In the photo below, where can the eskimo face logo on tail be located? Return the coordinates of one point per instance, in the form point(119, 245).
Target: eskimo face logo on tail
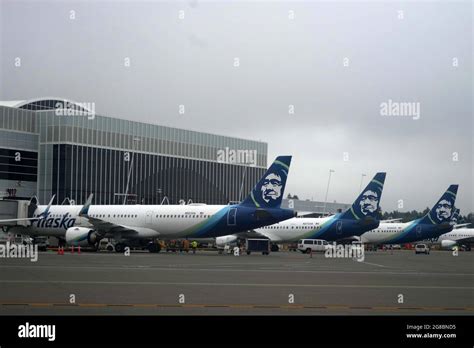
point(271, 187)
point(369, 202)
point(269, 190)
point(444, 210)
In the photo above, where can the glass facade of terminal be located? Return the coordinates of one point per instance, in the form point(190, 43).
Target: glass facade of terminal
point(18, 165)
point(80, 170)
point(79, 155)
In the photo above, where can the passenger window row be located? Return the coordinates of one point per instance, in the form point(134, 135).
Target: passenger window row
point(288, 227)
point(183, 216)
point(132, 216)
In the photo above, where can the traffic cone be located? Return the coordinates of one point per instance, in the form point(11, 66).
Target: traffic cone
point(78, 249)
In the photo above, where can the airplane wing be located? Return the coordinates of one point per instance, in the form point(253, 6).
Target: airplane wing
point(461, 225)
point(391, 220)
point(18, 220)
point(305, 213)
point(103, 227)
point(251, 234)
point(258, 234)
point(349, 239)
point(465, 239)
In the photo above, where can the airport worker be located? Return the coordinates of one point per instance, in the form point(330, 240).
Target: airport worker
point(186, 245)
point(194, 245)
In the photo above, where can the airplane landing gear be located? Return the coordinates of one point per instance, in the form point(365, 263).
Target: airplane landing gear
point(154, 247)
point(61, 243)
point(120, 247)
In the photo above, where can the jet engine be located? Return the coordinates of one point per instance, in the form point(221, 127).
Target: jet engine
point(447, 244)
point(222, 241)
point(81, 236)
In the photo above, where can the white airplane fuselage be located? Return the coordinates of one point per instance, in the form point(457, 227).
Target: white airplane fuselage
point(154, 221)
point(407, 232)
point(454, 237)
point(384, 233)
point(163, 221)
point(293, 229)
point(331, 228)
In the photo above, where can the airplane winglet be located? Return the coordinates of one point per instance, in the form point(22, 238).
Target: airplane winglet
point(44, 214)
point(85, 208)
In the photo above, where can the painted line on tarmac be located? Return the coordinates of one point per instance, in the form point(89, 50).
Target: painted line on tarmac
point(240, 306)
point(236, 284)
point(373, 264)
point(273, 270)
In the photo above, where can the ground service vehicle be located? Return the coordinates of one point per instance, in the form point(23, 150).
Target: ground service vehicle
point(257, 245)
point(312, 245)
point(422, 249)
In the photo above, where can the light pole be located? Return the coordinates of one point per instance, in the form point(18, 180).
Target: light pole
point(135, 140)
point(159, 192)
point(242, 184)
point(327, 190)
point(361, 180)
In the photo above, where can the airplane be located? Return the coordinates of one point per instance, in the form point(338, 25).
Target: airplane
point(435, 223)
point(454, 238)
point(359, 218)
point(85, 225)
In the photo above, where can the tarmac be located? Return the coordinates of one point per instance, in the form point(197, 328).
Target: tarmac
point(282, 283)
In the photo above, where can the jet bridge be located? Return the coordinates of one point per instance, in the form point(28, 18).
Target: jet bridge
point(14, 209)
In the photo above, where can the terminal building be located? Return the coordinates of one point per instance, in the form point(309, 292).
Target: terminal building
point(52, 146)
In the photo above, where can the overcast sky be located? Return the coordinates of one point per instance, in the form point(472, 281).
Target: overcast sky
point(289, 53)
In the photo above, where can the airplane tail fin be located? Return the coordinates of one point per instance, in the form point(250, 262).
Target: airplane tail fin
point(367, 204)
point(444, 209)
point(268, 193)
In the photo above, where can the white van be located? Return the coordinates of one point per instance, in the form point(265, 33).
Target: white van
point(422, 249)
point(308, 245)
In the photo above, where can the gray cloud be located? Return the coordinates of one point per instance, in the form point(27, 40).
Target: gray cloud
point(282, 62)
